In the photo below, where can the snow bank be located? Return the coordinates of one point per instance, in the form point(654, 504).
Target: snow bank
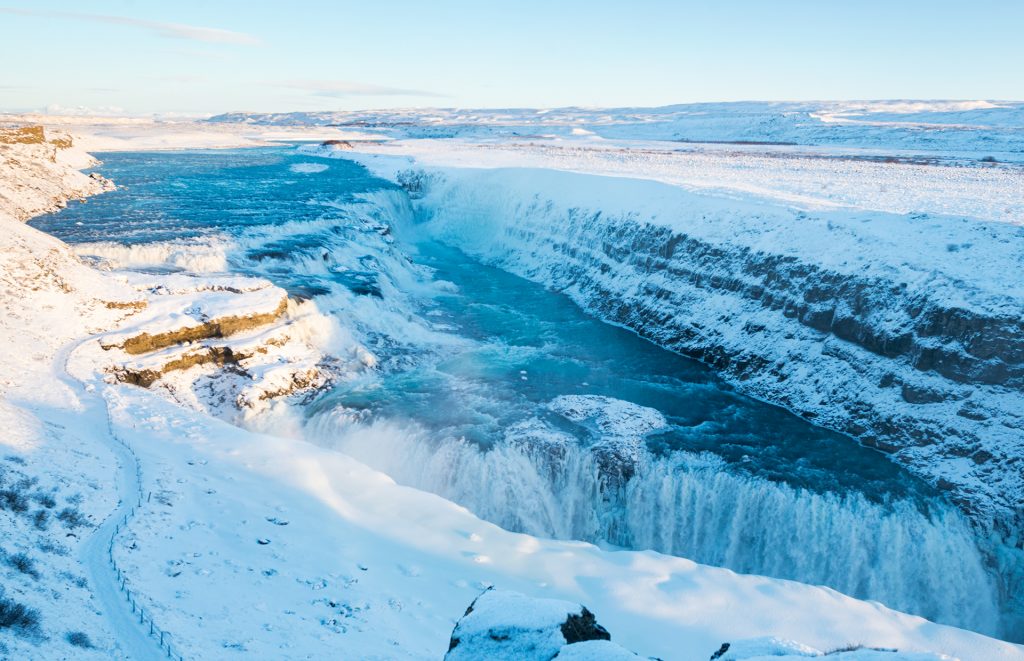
point(775, 649)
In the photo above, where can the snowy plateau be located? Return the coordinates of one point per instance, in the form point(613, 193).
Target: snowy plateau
point(166, 489)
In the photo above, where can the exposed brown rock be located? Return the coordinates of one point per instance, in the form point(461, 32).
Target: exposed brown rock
point(62, 142)
point(22, 135)
point(146, 377)
point(215, 328)
point(125, 305)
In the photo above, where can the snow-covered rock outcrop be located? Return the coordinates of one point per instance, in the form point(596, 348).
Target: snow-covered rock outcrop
point(509, 625)
point(40, 172)
point(226, 345)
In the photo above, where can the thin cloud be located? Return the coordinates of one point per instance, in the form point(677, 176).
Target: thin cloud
point(167, 30)
point(344, 88)
point(184, 79)
point(206, 54)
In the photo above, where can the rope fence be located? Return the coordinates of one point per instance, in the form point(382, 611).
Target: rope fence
point(158, 634)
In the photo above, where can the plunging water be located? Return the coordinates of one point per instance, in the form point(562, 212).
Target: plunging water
point(505, 397)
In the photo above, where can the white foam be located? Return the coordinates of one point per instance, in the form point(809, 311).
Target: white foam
point(308, 168)
point(195, 256)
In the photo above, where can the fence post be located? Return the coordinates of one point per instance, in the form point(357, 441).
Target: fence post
point(121, 576)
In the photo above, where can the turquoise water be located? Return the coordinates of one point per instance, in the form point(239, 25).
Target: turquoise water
point(471, 357)
point(530, 345)
point(514, 325)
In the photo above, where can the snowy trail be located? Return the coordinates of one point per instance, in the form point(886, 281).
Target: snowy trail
point(132, 638)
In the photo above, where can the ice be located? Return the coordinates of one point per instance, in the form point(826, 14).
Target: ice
point(308, 168)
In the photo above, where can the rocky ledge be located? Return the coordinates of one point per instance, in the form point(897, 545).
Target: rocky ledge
point(225, 345)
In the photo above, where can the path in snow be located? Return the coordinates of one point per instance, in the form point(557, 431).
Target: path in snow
point(132, 638)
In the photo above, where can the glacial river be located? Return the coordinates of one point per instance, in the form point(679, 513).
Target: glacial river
point(505, 397)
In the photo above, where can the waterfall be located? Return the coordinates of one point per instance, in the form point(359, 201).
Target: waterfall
point(688, 505)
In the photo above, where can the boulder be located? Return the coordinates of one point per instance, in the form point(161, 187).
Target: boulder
point(508, 625)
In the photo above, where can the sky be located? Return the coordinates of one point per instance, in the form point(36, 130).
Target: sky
point(204, 57)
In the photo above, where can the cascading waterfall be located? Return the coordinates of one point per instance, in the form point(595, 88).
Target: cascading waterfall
point(687, 505)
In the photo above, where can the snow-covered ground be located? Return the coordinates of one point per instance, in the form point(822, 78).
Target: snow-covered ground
point(972, 129)
point(808, 180)
point(256, 545)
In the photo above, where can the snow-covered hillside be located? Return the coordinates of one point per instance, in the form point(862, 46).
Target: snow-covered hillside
point(980, 128)
point(237, 543)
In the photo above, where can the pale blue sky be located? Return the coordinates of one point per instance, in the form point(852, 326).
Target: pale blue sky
point(205, 57)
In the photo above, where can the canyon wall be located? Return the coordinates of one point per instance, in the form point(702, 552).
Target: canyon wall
point(897, 330)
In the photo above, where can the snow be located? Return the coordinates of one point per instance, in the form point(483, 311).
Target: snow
point(595, 650)
point(775, 649)
point(50, 299)
point(40, 177)
point(613, 417)
point(263, 545)
point(935, 128)
point(766, 647)
point(510, 625)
